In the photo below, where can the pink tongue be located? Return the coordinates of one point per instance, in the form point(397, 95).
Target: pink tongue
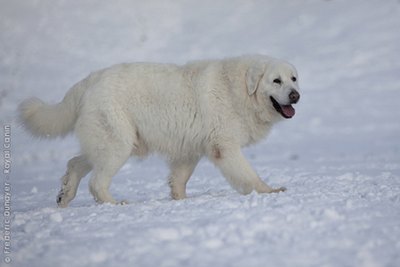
point(288, 110)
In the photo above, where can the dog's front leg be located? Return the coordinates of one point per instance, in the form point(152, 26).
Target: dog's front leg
point(179, 176)
point(238, 171)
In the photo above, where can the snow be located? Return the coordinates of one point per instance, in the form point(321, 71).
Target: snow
point(339, 156)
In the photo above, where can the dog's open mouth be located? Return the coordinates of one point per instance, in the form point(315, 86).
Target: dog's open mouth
point(287, 111)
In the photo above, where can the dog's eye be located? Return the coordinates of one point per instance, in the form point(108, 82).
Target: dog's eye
point(294, 79)
point(277, 81)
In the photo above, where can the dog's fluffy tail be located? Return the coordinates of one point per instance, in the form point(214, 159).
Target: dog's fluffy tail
point(50, 121)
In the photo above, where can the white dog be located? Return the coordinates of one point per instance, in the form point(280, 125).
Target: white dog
point(205, 108)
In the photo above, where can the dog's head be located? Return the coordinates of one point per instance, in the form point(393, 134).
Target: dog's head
point(276, 83)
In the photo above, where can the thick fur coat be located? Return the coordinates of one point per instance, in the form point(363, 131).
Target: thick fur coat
point(204, 108)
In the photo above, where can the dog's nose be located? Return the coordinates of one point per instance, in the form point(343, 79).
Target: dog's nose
point(294, 96)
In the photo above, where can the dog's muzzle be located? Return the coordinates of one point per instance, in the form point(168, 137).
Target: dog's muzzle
point(294, 96)
point(287, 111)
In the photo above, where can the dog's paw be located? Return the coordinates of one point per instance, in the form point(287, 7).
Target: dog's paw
point(123, 202)
point(61, 200)
point(263, 188)
point(280, 189)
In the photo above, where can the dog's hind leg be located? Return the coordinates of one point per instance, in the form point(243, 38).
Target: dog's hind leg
point(107, 137)
point(103, 171)
point(77, 168)
point(108, 150)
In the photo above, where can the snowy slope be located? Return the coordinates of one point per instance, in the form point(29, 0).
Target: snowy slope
point(339, 156)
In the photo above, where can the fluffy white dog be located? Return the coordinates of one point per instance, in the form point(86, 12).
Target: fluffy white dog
point(204, 108)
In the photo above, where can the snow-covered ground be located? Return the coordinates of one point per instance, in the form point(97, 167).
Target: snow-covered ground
point(339, 156)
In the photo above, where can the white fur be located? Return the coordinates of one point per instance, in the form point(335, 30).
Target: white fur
point(204, 108)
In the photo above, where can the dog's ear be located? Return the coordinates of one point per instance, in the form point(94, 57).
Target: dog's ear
point(254, 75)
